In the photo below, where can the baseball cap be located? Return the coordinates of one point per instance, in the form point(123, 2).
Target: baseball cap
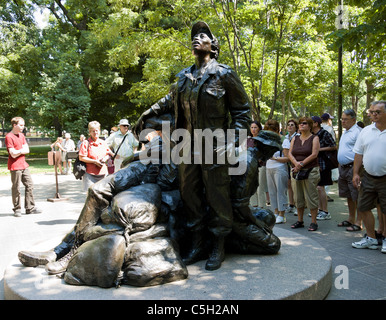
point(316, 119)
point(326, 116)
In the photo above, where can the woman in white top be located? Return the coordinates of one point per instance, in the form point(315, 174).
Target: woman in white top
point(292, 128)
point(68, 145)
point(277, 175)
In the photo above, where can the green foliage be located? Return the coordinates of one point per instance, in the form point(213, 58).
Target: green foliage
point(110, 59)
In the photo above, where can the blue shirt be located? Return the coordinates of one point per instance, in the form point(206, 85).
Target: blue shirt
point(347, 141)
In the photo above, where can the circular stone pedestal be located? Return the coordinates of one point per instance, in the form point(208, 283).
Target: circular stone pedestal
point(301, 270)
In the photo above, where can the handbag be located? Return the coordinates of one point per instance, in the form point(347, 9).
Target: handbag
point(331, 158)
point(302, 174)
point(51, 158)
point(79, 168)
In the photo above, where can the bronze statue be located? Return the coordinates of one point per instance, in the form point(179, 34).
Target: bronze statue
point(209, 96)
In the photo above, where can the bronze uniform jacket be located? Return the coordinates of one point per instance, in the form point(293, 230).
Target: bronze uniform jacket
point(217, 100)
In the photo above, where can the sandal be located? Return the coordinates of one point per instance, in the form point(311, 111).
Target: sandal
point(297, 224)
point(354, 227)
point(345, 223)
point(313, 227)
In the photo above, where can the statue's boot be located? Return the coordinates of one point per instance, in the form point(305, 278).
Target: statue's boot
point(34, 259)
point(60, 265)
point(217, 256)
point(197, 251)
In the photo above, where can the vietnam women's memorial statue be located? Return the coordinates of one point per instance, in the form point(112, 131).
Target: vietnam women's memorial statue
point(144, 224)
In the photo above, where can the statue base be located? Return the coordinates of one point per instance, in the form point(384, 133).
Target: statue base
point(301, 270)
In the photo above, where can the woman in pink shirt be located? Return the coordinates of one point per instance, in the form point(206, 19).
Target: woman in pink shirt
point(95, 153)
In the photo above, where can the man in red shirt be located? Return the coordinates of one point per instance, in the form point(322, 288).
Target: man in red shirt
point(17, 148)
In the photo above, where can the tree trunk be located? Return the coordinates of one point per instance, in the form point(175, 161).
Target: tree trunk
point(276, 72)
point(369, 99)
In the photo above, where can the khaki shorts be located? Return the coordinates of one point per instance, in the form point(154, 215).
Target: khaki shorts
point(305, 191)
point(346, 188)
point(372, 190)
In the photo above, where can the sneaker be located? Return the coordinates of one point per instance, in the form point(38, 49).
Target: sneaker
point(322, 215)
point(17, 213)
point(290, 209)
point(366, 243)
point(34, 211)
point(383, 250)
point(280, 219)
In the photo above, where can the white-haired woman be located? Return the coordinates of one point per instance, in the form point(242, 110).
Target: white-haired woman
point(94, 152)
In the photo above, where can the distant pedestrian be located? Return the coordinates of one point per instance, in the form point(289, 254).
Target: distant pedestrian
point(346, 162)
point(277, 175)
point(81, 139)
point(303, 154)
point(95, 153)
point(254, 129)
point(292, 128)
point(327, 143)
point(327, 124)
point(125, 141)
point(68, 145)
point(17, 148)
point(370, 151)
point(59, 150)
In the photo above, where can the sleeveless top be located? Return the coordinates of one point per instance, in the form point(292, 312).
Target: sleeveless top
point(300, 152)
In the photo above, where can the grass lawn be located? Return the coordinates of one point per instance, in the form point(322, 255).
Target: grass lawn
point(37, 160)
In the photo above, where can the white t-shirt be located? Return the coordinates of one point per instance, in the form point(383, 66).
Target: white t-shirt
point(371, 143)
point(330, 129)
point(347, 143)
point(272, 164)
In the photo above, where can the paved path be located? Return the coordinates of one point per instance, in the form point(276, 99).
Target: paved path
point(365, 268)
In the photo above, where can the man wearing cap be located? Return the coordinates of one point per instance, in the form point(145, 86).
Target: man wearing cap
point(125, 141)
point(327, 124)
point(327, 143)
point(209, 96)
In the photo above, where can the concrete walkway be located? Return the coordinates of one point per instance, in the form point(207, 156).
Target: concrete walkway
point(360, 273)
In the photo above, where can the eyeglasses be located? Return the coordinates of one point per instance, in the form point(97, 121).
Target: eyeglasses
point(290, 125)
point(345, 119)
point(375, 112)
point(304, 123)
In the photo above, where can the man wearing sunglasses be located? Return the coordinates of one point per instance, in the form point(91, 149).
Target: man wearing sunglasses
point(370, 152)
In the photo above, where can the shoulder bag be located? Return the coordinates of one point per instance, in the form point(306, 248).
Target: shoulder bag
point(302, 174)
point(79, 168)
point(111, 167)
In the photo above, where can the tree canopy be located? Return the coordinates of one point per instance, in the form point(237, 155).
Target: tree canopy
point(110, 59)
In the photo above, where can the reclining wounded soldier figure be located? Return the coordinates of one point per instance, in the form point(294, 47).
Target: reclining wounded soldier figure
point(99, 198)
